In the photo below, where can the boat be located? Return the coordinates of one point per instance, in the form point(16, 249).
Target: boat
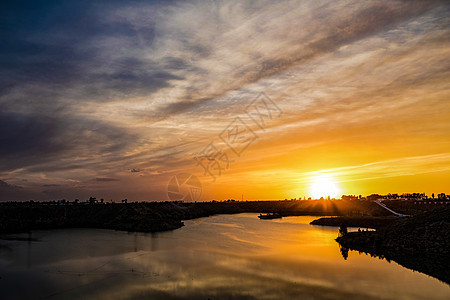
point(270, 216)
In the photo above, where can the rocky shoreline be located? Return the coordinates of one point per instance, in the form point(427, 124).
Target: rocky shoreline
point(421, 242)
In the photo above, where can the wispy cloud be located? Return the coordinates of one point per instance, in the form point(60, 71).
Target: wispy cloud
point(405, 166)
point(89, 89)
point(105, 179)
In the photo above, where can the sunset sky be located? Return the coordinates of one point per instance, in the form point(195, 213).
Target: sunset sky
point(113, 98)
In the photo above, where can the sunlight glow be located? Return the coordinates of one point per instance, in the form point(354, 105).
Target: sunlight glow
point(323, 185)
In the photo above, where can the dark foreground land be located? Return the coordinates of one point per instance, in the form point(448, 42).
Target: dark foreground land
point(420, 242)
point(160, 216)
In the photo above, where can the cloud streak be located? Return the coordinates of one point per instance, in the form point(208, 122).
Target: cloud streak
point(406, 166)
point(94, 90)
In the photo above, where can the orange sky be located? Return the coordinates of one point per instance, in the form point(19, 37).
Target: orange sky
point(359, 93)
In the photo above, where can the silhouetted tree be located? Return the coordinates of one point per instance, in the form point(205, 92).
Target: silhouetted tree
point(343, 230)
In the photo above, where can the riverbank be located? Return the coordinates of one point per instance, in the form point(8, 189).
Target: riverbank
point(356, 221)
point(160, 216)
point(421, 242)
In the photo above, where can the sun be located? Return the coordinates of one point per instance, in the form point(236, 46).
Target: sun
point(323, 185)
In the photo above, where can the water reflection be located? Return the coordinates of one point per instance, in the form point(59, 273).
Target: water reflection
point(344, 252)
point(226, 256)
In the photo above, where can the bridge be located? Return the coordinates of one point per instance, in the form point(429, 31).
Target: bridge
point(380, 203)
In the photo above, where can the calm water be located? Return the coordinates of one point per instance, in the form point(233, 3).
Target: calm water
point(220, 257)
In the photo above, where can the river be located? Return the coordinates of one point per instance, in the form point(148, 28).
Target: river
point(219, 257)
